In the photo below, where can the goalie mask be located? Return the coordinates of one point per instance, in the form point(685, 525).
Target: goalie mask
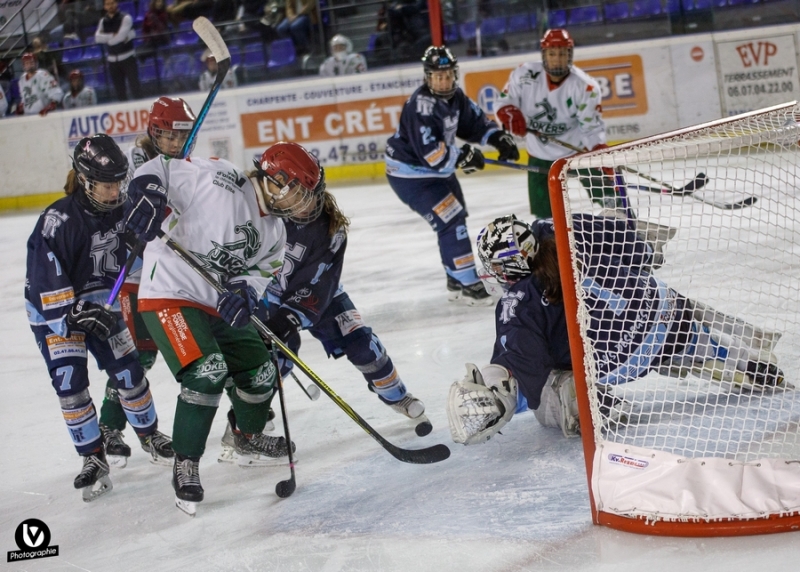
point(505, 247)
point(441, 71)
point(290, 183)
point(102, 170)
point(557, 48)
point(171, 121)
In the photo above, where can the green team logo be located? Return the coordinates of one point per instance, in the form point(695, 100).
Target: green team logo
point(230, 259)
point(213, 369)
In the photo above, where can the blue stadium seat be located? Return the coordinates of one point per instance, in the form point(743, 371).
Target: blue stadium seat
point(644, 8)
point(518, 23)
point(148, 71)
point(617, 11)
point(467, 30)
point(185, 39)
point(128, 8)
point(494, 26)
point(72, 55)
point(179, 66)
point(373, 40)
point(557, 18)
point(450, 34)
point(673, 6)
point(96, 79)
point(584, 15)
point(253, 55)
point(534, 21)
point(93, 52)
point(281, 53)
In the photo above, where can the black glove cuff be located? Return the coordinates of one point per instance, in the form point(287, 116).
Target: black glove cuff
point(284, 324)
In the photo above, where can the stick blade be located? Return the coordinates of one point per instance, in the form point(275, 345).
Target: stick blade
point(211, 38)
point(284, 489)
point(698, 183)
point(426, 456)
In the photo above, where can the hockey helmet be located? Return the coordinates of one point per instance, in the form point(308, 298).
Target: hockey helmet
point(29, 62)
point(505, 247)
point(557, 50)
point(171, 121)
point(338, 42)
point(102, 169)
point(440, 59)
point(290, 183)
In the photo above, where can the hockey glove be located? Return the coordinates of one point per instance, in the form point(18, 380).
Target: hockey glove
point(512, 120)
point(50, 107)
point(504, 143)
point(92, 319)
point(146, 207)
point(286, 325)
point(470, 159)
point(237, 303)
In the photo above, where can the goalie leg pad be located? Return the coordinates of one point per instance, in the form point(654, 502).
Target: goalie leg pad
point(476, 412)
point(558, 406)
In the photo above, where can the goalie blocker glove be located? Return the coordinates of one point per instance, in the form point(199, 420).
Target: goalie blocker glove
point(481, 404)
point(237, 303)
point(146, 207)
point(470, 159)
point(505, 144)
point(92, 319)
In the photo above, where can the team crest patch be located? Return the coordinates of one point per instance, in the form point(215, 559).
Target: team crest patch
point(213, 368)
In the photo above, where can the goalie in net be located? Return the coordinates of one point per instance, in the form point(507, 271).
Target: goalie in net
point(638, 324)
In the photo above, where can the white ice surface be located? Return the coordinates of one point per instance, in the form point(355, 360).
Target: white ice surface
point(518, 502)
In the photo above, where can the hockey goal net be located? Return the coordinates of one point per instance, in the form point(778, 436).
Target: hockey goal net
point(701, 438)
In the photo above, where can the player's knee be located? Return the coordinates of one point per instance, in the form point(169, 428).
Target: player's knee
point(257, 385)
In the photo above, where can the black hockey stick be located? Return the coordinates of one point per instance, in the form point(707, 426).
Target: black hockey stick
point(312, 391)
point(516, 166)
point(284, 489)
point(432, 454)
point(214, 42)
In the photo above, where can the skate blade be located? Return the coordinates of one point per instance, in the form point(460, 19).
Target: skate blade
point(162, 461)
point(188, 507)
point(453, 295)
point(229, 455)
point(99, 488)
point(117, 461)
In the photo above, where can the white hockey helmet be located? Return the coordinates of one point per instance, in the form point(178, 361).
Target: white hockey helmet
point(505, 247)
point(340, 46)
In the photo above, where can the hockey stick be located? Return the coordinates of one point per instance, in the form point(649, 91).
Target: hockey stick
point(312, 391)
point(732, 205)
point(516, 166)
point(285, 488)
point(214, 42)
point(432, 454)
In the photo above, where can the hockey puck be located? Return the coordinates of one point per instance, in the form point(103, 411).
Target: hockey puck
point(423, 428)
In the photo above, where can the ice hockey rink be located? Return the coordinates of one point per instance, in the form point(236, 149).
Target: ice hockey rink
point(517, 503)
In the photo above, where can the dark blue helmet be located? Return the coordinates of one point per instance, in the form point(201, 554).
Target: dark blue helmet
point(439, 58)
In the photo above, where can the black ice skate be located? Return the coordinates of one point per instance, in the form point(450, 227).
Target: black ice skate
point(93, 480)
point(763, 375)
point(252, 450)
point(472, 295)
point(159, 447)
point(186, 482)
point(414, 409)
point(117, 451)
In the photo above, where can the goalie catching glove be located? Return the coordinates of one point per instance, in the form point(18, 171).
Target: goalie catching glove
point(146, 207)
point(92, 319)
point(481, 404)
point(470, 159)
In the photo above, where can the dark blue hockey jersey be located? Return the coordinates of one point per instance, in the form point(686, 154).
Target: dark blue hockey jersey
point(424, 144)
point(632, 312)
point(312, 268)
point(72, 253)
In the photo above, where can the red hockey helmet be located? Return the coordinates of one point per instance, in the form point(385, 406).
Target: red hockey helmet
point(29, 62)
point(290, 182)
point(557, 48)
point(171, 121)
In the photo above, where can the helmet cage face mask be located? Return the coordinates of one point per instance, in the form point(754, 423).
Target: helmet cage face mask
point(290, 183)
point(171, 121)
point(504, 248)
point(557, 41)
point(97, 192)
point(440, 59)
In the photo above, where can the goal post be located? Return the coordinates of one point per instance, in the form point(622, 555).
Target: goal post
point(687, 365)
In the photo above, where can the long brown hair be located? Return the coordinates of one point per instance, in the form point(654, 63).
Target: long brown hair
point(337, 218)
point(73, 183)
point(545, 268)
point(147, 145)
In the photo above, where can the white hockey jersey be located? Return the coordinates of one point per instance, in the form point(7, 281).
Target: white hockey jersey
point(215, 215)
point(352, 63)
point(569, 111)
point(136, 158)
point(38, 90)
point(207, 79)
point(3, 103)
point(84, 98)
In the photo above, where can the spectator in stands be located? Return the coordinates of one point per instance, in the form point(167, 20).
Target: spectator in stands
point(79, 95)
point(47, 60)
point(74, 16)
point(189, 10)
point(154, 29)
point(207, 77)
point(342, 60)
point(40, 91)
point(300, 16)
point(116, 31)
point(403, 30)
point(261, 17)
